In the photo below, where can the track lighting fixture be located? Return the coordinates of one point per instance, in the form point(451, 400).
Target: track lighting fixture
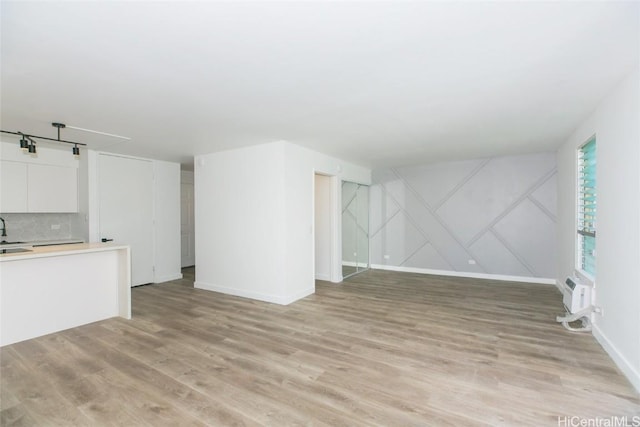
point(28, 144)
point(24, 144)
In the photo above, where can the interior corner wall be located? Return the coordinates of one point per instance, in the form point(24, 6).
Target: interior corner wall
point(240, 221)
point(617, 288)
point(493, 218)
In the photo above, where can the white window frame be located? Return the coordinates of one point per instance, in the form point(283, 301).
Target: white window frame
point(584, 275)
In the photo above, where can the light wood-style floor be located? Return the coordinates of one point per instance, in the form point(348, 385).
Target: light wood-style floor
point(384, 348)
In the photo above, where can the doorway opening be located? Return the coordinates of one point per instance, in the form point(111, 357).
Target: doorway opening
point(323, 227)
point(187, 220)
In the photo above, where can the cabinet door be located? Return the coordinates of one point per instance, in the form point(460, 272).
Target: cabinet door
point(13, 187)
point(52, 188)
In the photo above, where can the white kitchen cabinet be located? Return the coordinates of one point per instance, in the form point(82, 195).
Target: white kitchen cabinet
point(52, 188)
point(13, 187)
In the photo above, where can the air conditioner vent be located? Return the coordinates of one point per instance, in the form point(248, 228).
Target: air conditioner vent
point(577, 295)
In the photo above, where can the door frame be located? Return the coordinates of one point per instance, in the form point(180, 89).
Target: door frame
point(190, 181)
point(335, 248)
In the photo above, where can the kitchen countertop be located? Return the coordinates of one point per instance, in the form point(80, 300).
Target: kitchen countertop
point(21, 244)
point(57, 250)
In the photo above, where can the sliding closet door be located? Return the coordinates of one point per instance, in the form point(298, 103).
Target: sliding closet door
point(355, 228)
point(349, 228)
point(362, 229)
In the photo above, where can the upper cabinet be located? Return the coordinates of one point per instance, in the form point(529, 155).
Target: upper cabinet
point(38, 188)
point(52, 188)
point(13, 187)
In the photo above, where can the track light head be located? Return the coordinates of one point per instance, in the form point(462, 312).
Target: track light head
point(32, 148)
point(76, 151)
point(24, 143)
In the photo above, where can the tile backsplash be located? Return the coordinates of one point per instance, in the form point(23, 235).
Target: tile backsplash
point(42, 226)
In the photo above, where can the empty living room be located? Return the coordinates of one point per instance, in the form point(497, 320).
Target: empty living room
point(371, 213)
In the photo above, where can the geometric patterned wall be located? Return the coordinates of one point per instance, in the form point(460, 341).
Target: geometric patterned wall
point(499, 212)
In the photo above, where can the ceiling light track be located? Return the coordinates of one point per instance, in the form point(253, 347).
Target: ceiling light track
point(26, 135)
point(28, 143)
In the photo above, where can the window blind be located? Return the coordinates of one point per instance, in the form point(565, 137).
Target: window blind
point(587, 206)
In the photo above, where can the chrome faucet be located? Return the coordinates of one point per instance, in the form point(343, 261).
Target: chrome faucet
point(4, 228)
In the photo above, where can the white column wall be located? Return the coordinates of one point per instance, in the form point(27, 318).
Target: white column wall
point(255, 217)
point(240, 220)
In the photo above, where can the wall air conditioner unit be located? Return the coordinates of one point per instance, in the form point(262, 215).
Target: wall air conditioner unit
point(577, 295)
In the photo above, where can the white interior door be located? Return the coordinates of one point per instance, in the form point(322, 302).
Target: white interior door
point(125, 192)
point(187, 225)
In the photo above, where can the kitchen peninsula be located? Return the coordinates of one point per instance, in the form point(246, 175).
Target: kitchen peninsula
point(51, 288)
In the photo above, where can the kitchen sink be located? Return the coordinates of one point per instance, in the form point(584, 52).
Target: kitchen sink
point(14, 250)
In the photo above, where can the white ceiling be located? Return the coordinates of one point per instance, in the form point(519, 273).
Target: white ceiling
point(380, 84)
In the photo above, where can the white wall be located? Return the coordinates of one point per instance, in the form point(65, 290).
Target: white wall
point(322, 230)
point(254, 217)
point(616, 126)
point(167, 221)
point(240, 219)
point(499, 213)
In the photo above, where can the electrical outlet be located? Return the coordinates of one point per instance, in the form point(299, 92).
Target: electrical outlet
point(55, 226)
point(472, 262)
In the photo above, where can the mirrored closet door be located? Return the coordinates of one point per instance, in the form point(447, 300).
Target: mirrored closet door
point(355, 228)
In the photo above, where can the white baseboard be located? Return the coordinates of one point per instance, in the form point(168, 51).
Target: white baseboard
point(540, 280)
point(325, 277)
point(627, 368)
point(355, 264)
point(560, 285)
point(163, 279)
point(275, 299)
point(299, 295)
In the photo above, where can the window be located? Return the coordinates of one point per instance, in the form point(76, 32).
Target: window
point(587, 208)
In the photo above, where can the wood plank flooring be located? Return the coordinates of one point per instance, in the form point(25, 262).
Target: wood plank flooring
point(384, 348)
